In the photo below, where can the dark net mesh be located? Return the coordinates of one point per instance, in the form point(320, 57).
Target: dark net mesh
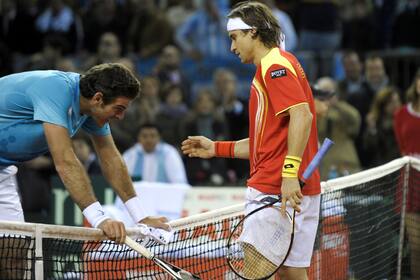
point(361, 235)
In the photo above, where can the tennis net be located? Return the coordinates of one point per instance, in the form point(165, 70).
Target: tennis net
point(362, 235)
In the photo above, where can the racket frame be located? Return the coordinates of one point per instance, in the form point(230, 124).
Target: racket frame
point(175, 272)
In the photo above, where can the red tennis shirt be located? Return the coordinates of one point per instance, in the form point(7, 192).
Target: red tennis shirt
point(279, 84)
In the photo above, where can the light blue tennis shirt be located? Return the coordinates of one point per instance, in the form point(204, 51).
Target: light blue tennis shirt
point(29, 99)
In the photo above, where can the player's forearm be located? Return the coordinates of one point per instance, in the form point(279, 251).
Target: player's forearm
point(299, 130)
point(242, 149)
point(115, 171)
point(76, 181)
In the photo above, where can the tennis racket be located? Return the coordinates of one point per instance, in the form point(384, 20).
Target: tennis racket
point(175, 272)
point(255, 255)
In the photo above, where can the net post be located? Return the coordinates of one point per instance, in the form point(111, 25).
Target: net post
point(39, 264)
point(402, 223)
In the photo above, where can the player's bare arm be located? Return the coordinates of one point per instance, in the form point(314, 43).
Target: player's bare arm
point(298, 135)
point(242, 149)
point(115, 171)
point(75, 177)
point(202, 147)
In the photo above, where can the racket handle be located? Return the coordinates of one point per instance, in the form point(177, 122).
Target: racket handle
point(313, 165)
point(139, 248)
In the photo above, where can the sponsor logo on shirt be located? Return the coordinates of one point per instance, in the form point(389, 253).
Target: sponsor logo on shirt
point(278, 73)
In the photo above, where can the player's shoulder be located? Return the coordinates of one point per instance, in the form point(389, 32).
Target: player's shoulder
point(278, 63)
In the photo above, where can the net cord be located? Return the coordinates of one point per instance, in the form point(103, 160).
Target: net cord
point(402, 223)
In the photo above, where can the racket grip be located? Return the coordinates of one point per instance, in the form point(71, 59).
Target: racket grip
point(313, 165)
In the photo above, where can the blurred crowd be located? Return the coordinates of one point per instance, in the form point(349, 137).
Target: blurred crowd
point(193, 85)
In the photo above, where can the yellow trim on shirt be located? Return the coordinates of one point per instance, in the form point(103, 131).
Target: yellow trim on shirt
point(274, 57)
point(263, 118)
point(298, 104)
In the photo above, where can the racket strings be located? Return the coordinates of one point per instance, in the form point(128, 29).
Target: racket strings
point(258, 246)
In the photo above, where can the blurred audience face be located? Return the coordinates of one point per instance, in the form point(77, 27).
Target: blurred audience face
point(149, 137)
point(225, 83)
point(393, 104)
point(170, 57)
point(352, 66)
point(174, 97)
point(205, 103)
point(322, 104)
point(109, 47)
point(150, 87)
point(375, 70)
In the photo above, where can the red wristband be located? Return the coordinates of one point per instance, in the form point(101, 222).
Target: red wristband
point(224, 149)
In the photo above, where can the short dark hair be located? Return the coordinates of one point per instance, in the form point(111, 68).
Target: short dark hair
point(112, 79)
point(260, 17)
point(149, 125)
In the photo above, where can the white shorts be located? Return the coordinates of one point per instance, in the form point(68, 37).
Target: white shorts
point(10, 206)
point(306, 225)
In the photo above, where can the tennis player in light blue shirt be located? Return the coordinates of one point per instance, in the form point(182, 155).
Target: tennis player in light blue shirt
point(41, 110)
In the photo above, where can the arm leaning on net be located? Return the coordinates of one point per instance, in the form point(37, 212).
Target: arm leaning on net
point(77, 182)
point(116, 173)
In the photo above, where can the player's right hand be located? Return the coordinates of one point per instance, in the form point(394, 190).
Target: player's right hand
point(156, 222)
point(198, 146)
point(114, 230)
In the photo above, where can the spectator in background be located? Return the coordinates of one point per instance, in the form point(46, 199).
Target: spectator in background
point(104, 16)
point(358, 25)
point(6, 65)
point(152, 160)
point(384, 13)
point(235, 112)
point(379, 137)
point(86, 156)
point(320, 30)
point(59, 19)
point(376, 77)
point(341, 124)
point(286, 25)
point(109, 51)
point(149, 31)
point(143, 110)
point(17, 18)
point(178, 11)
point(205, 120)
point(203, 34)
point(407, 132)
point(171, 114)
point(406, 24)
point(51, 57)
point(169, 71)
point(355, 91)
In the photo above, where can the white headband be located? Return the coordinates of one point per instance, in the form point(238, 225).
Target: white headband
point(237, 24)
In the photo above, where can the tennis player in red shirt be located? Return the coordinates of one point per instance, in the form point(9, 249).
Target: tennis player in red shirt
point(282, 129)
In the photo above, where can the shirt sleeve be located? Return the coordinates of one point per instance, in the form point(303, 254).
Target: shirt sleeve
point(284, 89)
point(51, 99)
point(91, 127)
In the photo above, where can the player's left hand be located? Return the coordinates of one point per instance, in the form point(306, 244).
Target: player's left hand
point(156, 222)
point(291, 192)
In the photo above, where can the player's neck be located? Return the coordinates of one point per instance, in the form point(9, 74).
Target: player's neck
point(259, 52)
point(84, 105)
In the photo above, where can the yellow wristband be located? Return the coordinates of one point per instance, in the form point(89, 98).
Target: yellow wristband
point(291, 167)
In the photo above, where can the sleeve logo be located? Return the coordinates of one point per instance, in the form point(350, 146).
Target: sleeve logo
point(278, 73)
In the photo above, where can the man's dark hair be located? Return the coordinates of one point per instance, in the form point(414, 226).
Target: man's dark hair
point(149, 125)
point(112, 79)
point(261, 18)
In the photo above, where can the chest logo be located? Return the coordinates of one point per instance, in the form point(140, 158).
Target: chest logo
point(278, 73)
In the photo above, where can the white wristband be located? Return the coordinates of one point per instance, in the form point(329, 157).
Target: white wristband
point(94, 214)
point(135, 209)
